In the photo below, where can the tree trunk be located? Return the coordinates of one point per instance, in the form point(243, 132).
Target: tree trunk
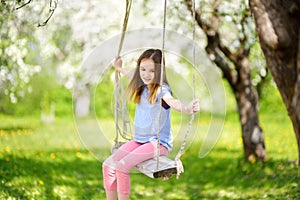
point(247, 99)
point(81, 96)
point(240, 82)
point(278, 28)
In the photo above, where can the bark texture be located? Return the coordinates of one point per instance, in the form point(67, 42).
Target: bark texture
point(278, 28)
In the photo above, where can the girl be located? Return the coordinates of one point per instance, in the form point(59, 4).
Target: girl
point(144, 90)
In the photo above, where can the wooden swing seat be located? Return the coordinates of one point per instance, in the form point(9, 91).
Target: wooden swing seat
point(166, 166)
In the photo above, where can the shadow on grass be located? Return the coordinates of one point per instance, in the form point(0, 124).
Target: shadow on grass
point(221, 176)
point(63, 174)
point(71, 174)
point(227, 175)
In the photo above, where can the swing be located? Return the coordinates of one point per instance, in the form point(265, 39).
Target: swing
point(159, 166)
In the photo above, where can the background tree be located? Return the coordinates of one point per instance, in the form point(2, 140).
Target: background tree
point(230, 36)
point(73, 29)
point(16, 67)
point(277, 25)
point(35, 62)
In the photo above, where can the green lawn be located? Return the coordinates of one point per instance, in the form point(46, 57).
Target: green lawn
point(49, 161)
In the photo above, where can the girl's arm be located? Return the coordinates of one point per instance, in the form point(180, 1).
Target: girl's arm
point(177, 105)
point(118, 66)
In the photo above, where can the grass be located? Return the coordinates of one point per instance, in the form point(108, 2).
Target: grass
point(49, 161)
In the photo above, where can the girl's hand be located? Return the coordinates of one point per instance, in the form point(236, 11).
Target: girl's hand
point(194, 106)
point(118, 64)
point(177, 105)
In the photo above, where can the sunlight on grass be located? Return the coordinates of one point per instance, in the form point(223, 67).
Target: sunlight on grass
point(49, 161)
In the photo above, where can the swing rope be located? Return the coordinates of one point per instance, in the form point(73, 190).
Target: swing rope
point(125, 22)
point(161, 82)
point(120, 106)
point(179, 166)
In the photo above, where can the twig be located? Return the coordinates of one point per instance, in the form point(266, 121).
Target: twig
point(53, 6)
point(28, 2)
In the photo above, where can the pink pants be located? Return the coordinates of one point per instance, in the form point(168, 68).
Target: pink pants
point(116, 168)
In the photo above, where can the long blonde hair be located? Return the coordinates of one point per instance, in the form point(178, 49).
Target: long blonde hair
point(136, 85)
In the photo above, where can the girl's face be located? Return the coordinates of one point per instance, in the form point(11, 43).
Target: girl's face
point(147, 70)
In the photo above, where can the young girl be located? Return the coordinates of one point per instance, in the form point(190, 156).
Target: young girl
point(144, 90)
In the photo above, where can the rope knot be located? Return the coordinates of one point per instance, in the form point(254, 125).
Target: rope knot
point(179, 167)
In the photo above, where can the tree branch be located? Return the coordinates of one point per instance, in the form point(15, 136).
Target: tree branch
point(215, 56)
point(232, 57)
point(53, 6)
point(243, 22)
point(201, 23)
point(28, 2)
point(213, 45)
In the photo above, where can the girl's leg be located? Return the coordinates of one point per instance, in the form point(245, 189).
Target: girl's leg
point(109, 181)
point(125, 149)
point(109, 168)
point(123, 196)
point(111, 195)
point(138, 155)
point(141, 153)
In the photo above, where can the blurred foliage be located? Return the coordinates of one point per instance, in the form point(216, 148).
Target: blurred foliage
point(45, 90)
point(260, 75)
point(271, 101)
point(16, 45)
point(37, 66)
point(102, 94)
point(57, 49)
point(102, 97)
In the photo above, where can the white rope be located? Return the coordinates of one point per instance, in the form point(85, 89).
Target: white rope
point(161, 82)
point(180, 168)
point(119, 86)
point(125, 22)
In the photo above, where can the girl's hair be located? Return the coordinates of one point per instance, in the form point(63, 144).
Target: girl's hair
point(136, 85)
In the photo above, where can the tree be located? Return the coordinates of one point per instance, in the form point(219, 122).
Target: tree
point(232, 58)
point(29, 54)
point(15, 68)
point(277, 25)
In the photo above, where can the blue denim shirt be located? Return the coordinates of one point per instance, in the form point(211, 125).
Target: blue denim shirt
point(147, 118)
